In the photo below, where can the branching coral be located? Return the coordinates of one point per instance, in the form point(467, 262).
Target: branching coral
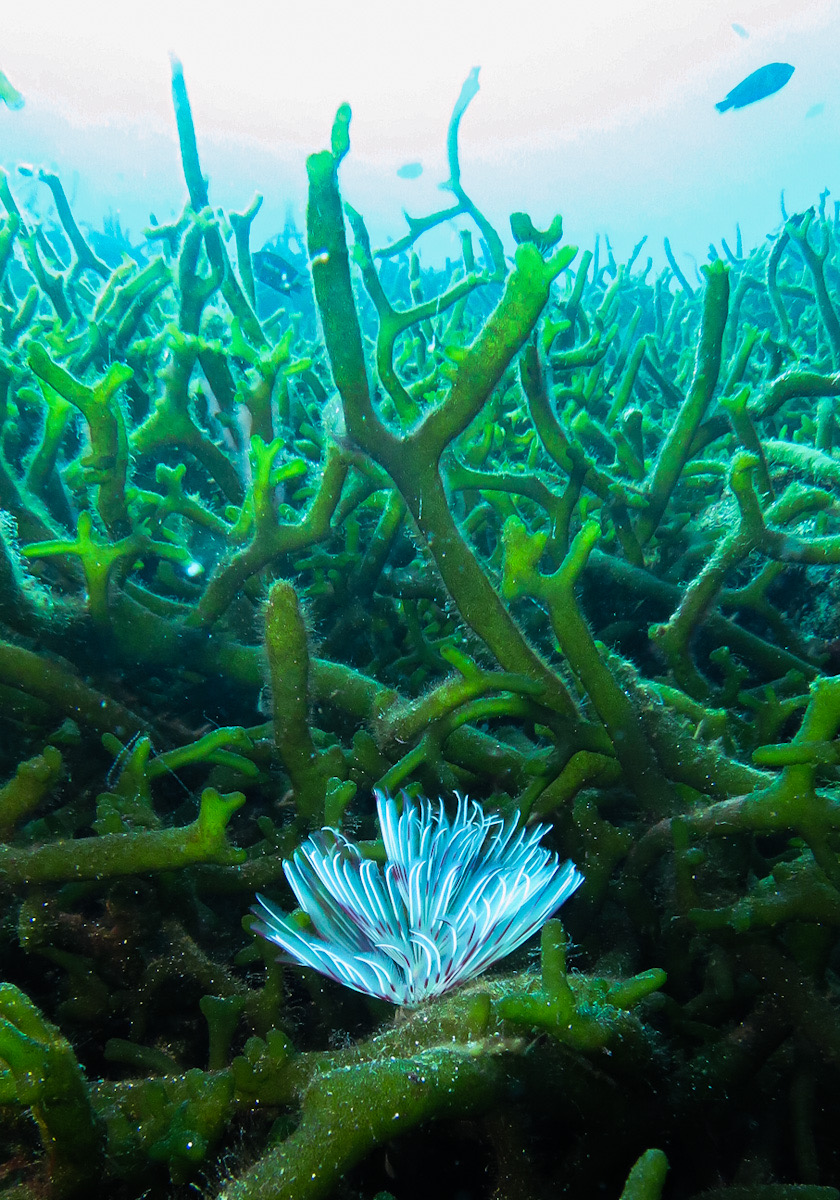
point(551, 532)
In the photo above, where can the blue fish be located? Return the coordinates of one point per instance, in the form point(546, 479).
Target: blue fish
point(740, 30)
point(275, 272)
point(412, 170)
point(815, 110)
point(763, 82)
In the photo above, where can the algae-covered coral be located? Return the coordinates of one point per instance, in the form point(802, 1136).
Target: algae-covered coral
point(554, 532)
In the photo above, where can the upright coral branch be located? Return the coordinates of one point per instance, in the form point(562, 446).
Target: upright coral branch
point(412, 461)
point(287, 650)
point(676, 448)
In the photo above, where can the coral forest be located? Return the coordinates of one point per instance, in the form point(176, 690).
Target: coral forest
point(544, 529)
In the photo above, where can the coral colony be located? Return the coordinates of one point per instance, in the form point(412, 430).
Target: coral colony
point(285, 529)
point(454, 897)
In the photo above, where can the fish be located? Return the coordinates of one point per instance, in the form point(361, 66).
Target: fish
point(815, 110)
point(740, 30)
point(763, 82)
point(9, 93)
point(275, 272)
point(412, 170)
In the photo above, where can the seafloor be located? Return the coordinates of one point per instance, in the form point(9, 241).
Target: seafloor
point(556, 532)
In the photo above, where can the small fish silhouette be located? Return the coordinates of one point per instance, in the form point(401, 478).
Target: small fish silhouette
point(275, 272)
point(740, 30)
point(815, 110)
point(412, 170)
point(763, 82)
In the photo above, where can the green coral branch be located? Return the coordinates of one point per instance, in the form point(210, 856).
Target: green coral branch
point(214, 747)
point(737, 408)
point(100, 558)
point(647, 1177)
point(9, 230)
point(287, 650)
point(365, 699)
point(131, 308)
point(42, 477)
point(52, 284)
point(454, 1058)
point(469, 91)
point(463, 205)
point(793, 384)
point(428, 751)
point(564, 449)
point(171, 1119)
point(392, 323)
point(412, 462)
point(334, 295)
point(271, 537)
point(773, 290)
point(129, 805)
point(616, 710)
point(107, 463)
point(241, 224)
point(584, 769)
point(86, 258)
point(460, 477)
point(257, 390)
point(771, 660)
point(175, 499)
point(673, 637)
point(46, 1078)
point(585, 1014)
point(203, 841)
point(467, 582)
point(811, 462)
point(199, 199)
point(503, 335)
point(798, 229)
point(793, 891)
point(404, 722)
point(349, 1111)
point(788, 801)
point(676, 448)
point(48, 680)
point(171, 423)
point(32, 781)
